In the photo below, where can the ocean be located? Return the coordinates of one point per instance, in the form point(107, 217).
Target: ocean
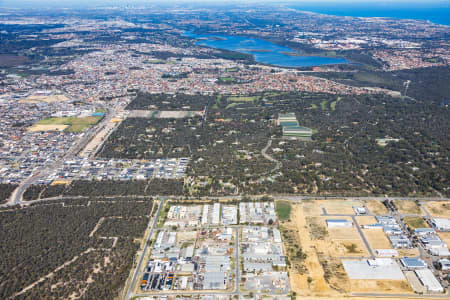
point(435, 12)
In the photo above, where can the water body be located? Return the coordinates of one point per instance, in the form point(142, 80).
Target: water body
point(263, 51)
point(434, 11)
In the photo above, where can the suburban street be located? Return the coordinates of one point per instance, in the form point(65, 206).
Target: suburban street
point(16, 196)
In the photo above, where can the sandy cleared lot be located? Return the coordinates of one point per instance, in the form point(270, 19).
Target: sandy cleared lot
point(438, 208)
point(366, 220)
point(61, 182)
point(376, 207)
point(299, 282)
point(47, 127)
point(408, 252)
point(381, 286)
point(310, 208)
point(48, 99)
point(445, 236)
point(329, 280)
point(415, 283)
point(408, 207)
point(98, 139)
point(377, 238)
point(339, 241)
point(339, 206)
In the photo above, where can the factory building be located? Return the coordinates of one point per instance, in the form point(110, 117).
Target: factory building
point(412, 263)
point(428, 280)
point(339, 223)
point(441, 224)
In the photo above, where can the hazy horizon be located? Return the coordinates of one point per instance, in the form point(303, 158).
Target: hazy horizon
point(117, 3)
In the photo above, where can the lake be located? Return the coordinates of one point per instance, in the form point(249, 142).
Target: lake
point(263, 51)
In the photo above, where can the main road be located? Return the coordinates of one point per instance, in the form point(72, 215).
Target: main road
point(144, 251)
point(293, 198)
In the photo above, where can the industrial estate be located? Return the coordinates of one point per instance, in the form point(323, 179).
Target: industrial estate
point(349, 247)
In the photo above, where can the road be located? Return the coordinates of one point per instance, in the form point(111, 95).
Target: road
point(363, 237)
point(270, 158)
point(237, 290)
point(130, 293)
point(293, 198)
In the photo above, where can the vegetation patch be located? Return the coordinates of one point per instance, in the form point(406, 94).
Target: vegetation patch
point(53, 234)
point(5, 191)
point(155, 61)
point(283, 209)
point(334, 103)
point(415, 222)
point(317, 231)
point(226, 80)
point(243, 98)
point(75, 124)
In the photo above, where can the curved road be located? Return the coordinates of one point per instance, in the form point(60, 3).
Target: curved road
point(268, 157)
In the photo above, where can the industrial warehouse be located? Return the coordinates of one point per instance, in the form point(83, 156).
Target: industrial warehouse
point(201, 248)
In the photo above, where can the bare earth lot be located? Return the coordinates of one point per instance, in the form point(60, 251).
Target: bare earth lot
point(445, 236)
point(48, 99)
point(438, 208)
point(408, 207)
point(47, 127)
point(325, 247)
point(339, 206)
point(376, 207)
point(323, 267)
point(377, 238)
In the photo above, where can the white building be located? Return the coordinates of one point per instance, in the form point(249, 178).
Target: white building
point(428, 280)
point(216, 214)
point(205, 214)
point(339, 223)
point(444, 264)
point(386, 252)
point(441, 224)
point(229, 215)
point(276, 236)
point(359, 210)
point(214, 281)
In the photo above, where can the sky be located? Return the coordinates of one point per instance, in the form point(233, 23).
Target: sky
point(91, 3)
point(69, 2)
